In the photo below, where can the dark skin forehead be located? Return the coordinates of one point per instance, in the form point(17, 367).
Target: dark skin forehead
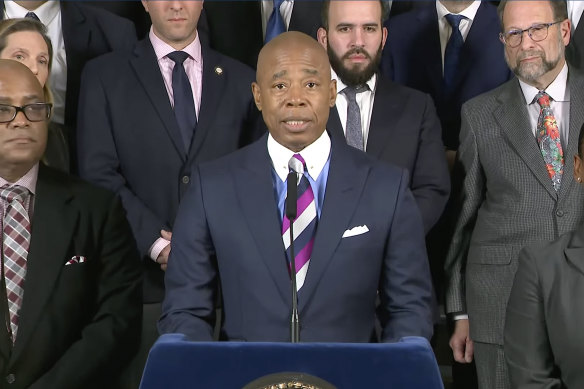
point(292, 43)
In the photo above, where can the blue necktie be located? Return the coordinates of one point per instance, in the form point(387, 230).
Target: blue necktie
point(184, 105)
point(276, 24)
point(452, 53)
point(32, 15)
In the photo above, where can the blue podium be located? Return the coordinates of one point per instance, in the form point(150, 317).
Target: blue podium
point(174, 362)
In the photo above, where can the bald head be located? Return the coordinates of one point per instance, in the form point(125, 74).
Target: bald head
point(13, 70)
point(294, 89)
point(288, 42)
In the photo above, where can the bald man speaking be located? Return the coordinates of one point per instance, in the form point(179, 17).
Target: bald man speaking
point(357, 230)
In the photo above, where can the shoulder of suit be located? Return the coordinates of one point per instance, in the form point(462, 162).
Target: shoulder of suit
point(403, 90)
point(103, 17)
point(79, 188)
point(218, 60)
point(488, 98)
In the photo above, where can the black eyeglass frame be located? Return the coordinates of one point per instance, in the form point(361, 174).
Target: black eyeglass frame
point(23, 110)
point(529, 30)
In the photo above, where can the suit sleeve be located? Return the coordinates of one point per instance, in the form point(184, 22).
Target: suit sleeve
point(112, 335)
point(469, 202)
point(191, 277)
point(527, 348)
point(430, 179)
point(406, 288)
point(98, 157)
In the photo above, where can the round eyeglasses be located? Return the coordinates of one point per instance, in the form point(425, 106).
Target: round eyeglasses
point(537, 33)
point(36, 112)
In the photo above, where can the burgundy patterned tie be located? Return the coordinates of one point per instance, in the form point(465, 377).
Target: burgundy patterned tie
point(16, 241)
point(304, 224)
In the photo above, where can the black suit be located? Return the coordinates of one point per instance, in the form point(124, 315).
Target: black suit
point(575, 50)
point(235, 27)
point(79, 324)
point(129, 140)
point(404, 130)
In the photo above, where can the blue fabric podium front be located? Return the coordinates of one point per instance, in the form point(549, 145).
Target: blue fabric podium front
point(174, 362)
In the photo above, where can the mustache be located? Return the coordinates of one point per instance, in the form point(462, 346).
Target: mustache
point(530, 53)
point(357, 50)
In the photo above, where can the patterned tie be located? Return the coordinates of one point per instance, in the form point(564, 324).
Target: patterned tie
point(32, 15)
point(275, 24)
point(304, 224)
point(452, 52)
point(16, 241)
point(548, 139)
point(354, 131)
point(184, 104)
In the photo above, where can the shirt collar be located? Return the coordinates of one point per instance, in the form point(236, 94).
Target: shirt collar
point(29, 180)
point(557, 90)
point(162, 49)
point(316, 154)
point(341, 85)
point(469, 12)
point(46, 12)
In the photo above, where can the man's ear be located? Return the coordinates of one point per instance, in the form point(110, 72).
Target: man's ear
point(321, 36)
point(257, 98)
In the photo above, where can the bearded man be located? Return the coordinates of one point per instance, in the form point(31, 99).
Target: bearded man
point(517, 188)
point(393, 123)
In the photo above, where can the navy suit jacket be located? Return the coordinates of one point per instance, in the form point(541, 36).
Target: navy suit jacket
point(412, 57)
point(80, 320)
point(129, 140)
point(404, 130)
point(228, 230)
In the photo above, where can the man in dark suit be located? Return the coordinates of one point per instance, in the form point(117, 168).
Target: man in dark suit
point(134, 141)
point(397, 124)
point(70, 290)
point(518, 187)
point(349, 242)
point(426, 32)
point(78, 33)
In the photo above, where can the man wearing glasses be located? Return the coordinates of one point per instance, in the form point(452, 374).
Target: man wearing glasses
point(517, 190)
point(70, 286)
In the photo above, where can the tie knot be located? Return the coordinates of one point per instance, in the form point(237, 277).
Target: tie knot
point(10, 194)
point(543, 99)
point(351, 91)
point(178, 56)
point(32, 15)
point(277, 4)
point(297, 164)
point(454, 20)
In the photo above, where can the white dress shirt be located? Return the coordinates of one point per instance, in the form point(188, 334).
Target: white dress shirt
point(49, 14)
point(444, 28)
point(364, 101)
point(560, 104)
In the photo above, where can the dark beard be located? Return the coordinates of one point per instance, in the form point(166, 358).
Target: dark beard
point(351, 76)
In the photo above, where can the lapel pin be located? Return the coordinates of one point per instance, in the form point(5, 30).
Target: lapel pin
point(219, 70)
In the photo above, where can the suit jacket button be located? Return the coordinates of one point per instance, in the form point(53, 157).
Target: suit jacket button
point(185, 179)
point(10, 378)
point(560, 213)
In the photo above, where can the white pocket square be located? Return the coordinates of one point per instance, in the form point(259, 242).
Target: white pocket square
point(358, 230)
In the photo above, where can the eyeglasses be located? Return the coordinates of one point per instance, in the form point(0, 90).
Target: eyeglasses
point(36, 112)
point(537, 32)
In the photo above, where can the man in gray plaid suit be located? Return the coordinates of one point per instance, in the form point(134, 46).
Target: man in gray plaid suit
point(517, 189)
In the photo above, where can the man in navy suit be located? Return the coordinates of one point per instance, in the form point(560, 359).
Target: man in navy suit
point(133, 141)
point(398, 124)
point(78, 34)
point(366, 233)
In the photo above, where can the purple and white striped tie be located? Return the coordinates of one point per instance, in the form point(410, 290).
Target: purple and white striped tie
point(16, 241)
point(304, 224)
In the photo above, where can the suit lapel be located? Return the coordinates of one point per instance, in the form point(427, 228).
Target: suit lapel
point(253, 179)
point(212, 89)
point(512, 117)
point(384, 116)
point(343, 190)
point(334, 126)
point(148, 73)
point(576, 86)
point(427, 16)
point(53, 225)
